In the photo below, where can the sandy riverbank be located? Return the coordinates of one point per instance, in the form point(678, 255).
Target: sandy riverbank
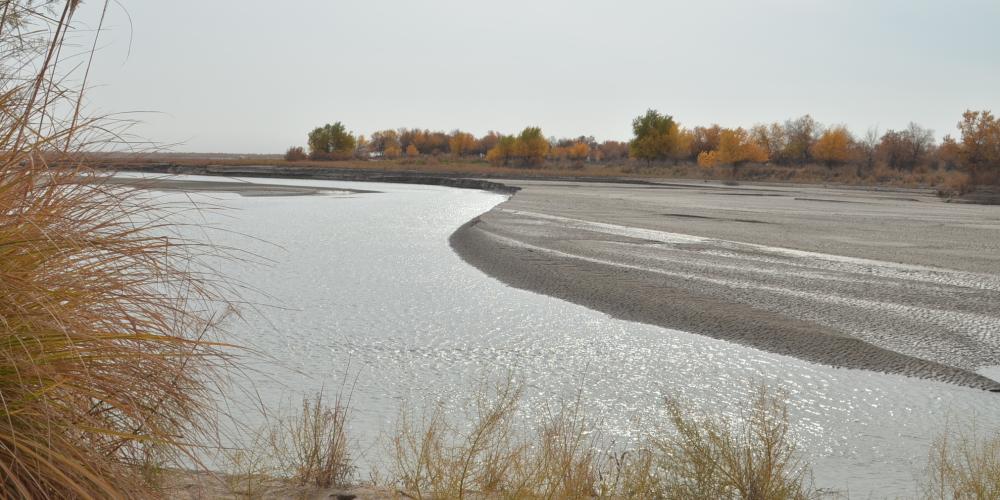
point(895, 282)
point(889, 281)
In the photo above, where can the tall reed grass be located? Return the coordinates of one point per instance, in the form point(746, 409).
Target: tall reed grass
point(105, 325)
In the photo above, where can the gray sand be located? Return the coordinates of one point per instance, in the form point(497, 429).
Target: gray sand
point(893, 281)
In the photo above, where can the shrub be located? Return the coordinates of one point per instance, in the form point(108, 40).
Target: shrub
point(954, 183)
point(436, 458)
point(964, 464)
point(312, 447)
point(698, 457)
point(295, 153)
point(712, 457)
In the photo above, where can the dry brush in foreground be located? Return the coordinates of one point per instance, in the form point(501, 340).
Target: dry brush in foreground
point(105, 323)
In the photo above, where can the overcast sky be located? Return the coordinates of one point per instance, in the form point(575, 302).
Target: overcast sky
point(255, 76)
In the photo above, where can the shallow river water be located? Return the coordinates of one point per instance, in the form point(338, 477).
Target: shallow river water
point(367, 285)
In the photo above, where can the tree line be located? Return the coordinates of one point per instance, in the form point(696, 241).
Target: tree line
point(658, 138)
point(529, 148)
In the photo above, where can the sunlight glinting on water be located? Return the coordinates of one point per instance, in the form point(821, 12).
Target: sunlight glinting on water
point(367, 285)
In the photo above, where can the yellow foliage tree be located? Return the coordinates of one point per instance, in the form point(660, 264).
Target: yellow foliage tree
point(393, 150)
point(578, 151)
point(708, 159)
point(833, 147)
point(412, 151)
point(461, 143)
point(683, 142)
point(656, 137)
point(531, 147)
point(502, 152)
point(736, 148)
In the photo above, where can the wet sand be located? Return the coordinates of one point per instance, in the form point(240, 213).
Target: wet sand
point(889, 281)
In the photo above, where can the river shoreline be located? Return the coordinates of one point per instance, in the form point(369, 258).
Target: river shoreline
point(811, 273)
point(802, 271)
point(317, 173)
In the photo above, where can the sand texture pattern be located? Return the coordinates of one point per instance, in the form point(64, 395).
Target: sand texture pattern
point(895, 282)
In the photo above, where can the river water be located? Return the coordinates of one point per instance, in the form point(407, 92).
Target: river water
point(365, 287)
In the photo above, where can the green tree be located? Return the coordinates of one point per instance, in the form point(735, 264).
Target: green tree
point(331, 142)
point(656, 136)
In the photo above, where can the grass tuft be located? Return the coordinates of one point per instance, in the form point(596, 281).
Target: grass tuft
point(963, 464)
point(105, 323)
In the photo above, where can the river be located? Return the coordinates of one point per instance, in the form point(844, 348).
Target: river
point(364, 287)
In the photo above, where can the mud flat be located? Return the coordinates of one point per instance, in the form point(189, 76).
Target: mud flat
point(889, 281)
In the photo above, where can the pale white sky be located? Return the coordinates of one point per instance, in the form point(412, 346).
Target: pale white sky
point(255, 76)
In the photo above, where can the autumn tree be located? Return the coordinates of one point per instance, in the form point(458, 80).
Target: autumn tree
point(892, 149)
point(386, 142)
point(868, 148)
point(487, 142)
point(426, 142)
point(438, 143)
point(919, 142)
point(683, 145)
point(613, 150)
point(736, 148)
point(705, 139)
point(579, 151)
point(907, 148)
point(654, 136)
point(406, 139)
point(361, 147)
point(461, 143)
point(331, 142)
point(503, 151)
point(771, 138)
point(949, 153)
point(531, 146)
point(412, 151)
point(980, 146)
point(833, 147)
point(799, 137)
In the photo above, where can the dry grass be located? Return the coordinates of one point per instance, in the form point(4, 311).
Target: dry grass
point(306, 450)
point(103, 354)
point(698, 457)
point(250, 467)
point(964, 464)
point(312, 448)
point(712, 457)
point(485, 456)
point(104, 322)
